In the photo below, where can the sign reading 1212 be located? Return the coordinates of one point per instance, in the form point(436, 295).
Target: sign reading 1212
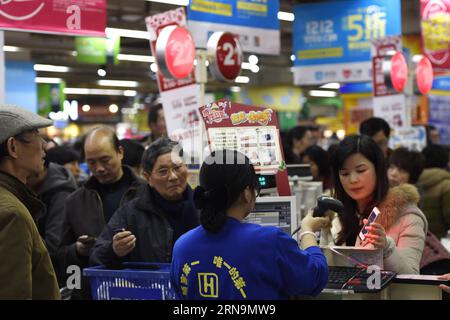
point(225, 53)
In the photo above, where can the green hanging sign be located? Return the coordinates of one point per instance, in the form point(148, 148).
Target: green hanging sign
point(96, 50)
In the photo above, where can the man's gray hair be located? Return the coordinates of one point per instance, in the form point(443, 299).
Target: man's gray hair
point(158, 148)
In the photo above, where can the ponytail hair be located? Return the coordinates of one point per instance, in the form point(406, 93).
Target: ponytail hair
point(223, 177)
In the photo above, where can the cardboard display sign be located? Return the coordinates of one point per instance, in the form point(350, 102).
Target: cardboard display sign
point(251, 130)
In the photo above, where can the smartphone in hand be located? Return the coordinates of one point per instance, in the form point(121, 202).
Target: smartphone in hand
point(86, 239)
point(372, 217)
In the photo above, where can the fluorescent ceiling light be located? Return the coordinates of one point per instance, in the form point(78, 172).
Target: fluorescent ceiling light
point(322, 93)
point(292, 57)
point(246, 65)
point(118, 83)
point(47, 80)
point(101, 92)
point(331, 85)
point(127, 33)
point(135, 57)
point(11, 49)
point(286, 16)
point(50, 68)
point(242, 79)
point(174, 2)
point(235, 89)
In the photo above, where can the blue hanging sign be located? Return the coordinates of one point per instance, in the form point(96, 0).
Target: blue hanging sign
point(254, 21)
point(332, 40)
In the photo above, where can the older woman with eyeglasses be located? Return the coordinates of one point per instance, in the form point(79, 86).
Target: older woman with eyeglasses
point(146, 228)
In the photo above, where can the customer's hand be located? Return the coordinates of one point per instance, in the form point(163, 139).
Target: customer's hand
point(376, 235)
point(443, 286)
point(123, 243)
point(84, 244)
point(309, 223)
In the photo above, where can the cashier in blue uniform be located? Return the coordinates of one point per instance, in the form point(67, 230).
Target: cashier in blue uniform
point(225, 258)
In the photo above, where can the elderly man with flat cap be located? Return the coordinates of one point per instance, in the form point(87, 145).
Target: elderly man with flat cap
point(26, 271)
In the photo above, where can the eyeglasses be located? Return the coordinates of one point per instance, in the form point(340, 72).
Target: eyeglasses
point(164, 172)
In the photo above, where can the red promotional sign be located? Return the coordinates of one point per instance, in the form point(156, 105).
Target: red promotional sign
point(251, 130)
point(226, 55)
point(155, 25)
point(81, 18)
point(399, 71)
point(435, 20)
point(175, 50)
point(424, 75)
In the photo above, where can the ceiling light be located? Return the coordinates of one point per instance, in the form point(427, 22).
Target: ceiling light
point(101, 72)
point(101, 92)
point(286, 16)
point(11, 49)
point(173, 2)
point(292, 57)
point(255, 68)
point(113, 108)
point(86, 108)
point(130, 93)
point(416, 58)
point(50, 68)
point(253, 59)
point(118, 83)
point(154, 67)
point(47, 80)
point(235, 89)
point(322, 93)
point(246, 65)
point(127, 33)
point(331, 85)
point(135, 57)
point(242, 79)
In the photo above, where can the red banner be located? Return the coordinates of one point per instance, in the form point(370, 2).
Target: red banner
point(251, 130)
point(435, 21)
point(81, 18)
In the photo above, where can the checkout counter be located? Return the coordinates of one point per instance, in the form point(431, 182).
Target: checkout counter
point(401, 287)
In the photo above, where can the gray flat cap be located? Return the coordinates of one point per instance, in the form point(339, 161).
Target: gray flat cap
point(14, 120)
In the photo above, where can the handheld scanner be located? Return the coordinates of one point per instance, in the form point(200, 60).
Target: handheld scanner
point(325, 203)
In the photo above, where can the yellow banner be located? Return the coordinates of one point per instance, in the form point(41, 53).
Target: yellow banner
point(358, 45)
point(212, 7)
point(252, 7)
point(320, 53)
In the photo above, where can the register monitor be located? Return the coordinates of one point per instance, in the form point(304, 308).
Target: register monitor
point(280, 212)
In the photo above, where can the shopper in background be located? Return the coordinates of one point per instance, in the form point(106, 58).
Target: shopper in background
point(319, 161)
point(435, 183)
point(146, 228)
point(297, 140)
point(405, 166)
point(156, 123)
point(361, 183)
point(379, 130)
point(53, 185)
point(132, 155)
point(89, 208)
point(67, 157)
point(432, 135)
point(225, 258)
point(26, 271)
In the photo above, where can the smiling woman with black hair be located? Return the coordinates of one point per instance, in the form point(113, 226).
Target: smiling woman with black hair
point(225, 258)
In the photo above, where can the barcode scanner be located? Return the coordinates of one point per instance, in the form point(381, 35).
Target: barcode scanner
point(325, 203)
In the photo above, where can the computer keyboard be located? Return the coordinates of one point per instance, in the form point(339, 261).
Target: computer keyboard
point(355, 279)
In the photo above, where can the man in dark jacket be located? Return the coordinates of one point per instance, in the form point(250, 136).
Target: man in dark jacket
point(90, 207)
point(52, 186)
point(146, 228)
point(26, 271)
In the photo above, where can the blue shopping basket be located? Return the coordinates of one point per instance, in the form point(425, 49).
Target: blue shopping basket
point(131, 281)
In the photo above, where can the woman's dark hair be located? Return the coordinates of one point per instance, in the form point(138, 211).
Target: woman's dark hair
point(152, 116)
point(369, 149)
point(412, 162)
point(223, 177)
point(159, 147)
point(321, 159)
point(436, 156)
point(373, 125)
